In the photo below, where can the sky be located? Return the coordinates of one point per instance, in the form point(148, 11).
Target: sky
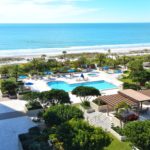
point(74, 11)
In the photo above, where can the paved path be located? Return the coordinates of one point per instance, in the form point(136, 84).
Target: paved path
point(99, 119)
point(10, 115)
point(3, 98)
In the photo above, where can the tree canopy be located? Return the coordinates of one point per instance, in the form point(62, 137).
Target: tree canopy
point(31, 96)
point(9, 86)
point(101, 59)
point(85, 92)
point(5, 69)
point(55, 96)
point(138, 132)
point(79, 135)
point(58, 114)
point(138, 73)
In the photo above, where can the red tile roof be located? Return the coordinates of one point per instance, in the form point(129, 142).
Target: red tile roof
point(146, 92)
point(128, 96)
point(115, 99)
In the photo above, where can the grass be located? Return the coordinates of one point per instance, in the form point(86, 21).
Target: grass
point(127, 80)
point(118, 145)
point(76, 105)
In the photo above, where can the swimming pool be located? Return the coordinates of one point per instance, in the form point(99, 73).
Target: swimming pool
point(101, 85)
point(23, 77)
point(92, 74)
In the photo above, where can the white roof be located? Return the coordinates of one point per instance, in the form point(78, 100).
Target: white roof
point(135, 95)
point(10, 129)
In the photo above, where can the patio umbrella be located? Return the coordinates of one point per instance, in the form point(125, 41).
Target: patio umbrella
point(82, 75)
point(48, 72)
point(29, 83)
point(105, 68)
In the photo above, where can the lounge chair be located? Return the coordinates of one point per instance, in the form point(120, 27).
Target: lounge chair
point(13, 96)
point(5, 95)
point(86, 79)
point(144, 111)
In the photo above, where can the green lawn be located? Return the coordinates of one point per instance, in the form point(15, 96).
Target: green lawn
point(76, 105)
point(118, 145)
point(127, 80)
point(115, 144)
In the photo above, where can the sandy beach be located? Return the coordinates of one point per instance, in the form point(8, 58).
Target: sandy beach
point(120, 49)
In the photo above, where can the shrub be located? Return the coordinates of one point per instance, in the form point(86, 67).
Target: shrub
point(122, 105)
point(85, 104)
point(118, 130)
point(58, 114)
point(31, 96)
point(138, 132)
point(131, 86)
point(9, 86)
point(79, 135)
point(34, 130)
point(34, 140)
point(147, 85)
point(99, 102)
point(31, 105)
point(55, 96)
point(85, 92)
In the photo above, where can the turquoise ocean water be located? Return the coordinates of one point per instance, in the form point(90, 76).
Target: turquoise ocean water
point(52, 37)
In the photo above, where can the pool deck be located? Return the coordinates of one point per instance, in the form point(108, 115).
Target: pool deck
point(41, 85)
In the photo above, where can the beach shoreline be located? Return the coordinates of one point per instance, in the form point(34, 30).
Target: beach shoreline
point(30, 53)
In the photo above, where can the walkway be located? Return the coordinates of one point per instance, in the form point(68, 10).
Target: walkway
point(99, 119)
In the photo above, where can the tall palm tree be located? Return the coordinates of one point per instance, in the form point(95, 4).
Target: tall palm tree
point(43, 56)
point(109, 52)
point(35, 63)
point(15, 71)
point(101, 58)
point(64, 52)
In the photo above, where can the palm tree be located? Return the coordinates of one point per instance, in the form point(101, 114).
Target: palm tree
point(125, 61)
point(101, 58)
point(64, 52)
point(15, 71)
point(109, 52)
point(43, 56)
point(35, 63)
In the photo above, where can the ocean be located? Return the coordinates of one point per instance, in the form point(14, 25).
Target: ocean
point(52, 38)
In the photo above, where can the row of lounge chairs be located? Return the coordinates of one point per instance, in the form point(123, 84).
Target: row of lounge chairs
point(82, 79)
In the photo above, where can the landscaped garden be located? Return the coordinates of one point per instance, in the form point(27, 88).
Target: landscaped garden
point(66, 128)
point(136, 77)
point(118, 145)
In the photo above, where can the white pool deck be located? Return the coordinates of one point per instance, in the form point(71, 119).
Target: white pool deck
point(41, 85)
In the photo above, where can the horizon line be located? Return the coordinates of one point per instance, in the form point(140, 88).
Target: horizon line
point(72, 22)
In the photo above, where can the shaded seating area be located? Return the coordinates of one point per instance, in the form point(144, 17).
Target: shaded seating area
point(133, 98)
point(136, 96)
point(113, 100)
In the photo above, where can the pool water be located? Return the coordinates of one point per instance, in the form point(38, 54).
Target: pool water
point(23, 77)
point(100, 85)
point(117, 71)
point(93, 74)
